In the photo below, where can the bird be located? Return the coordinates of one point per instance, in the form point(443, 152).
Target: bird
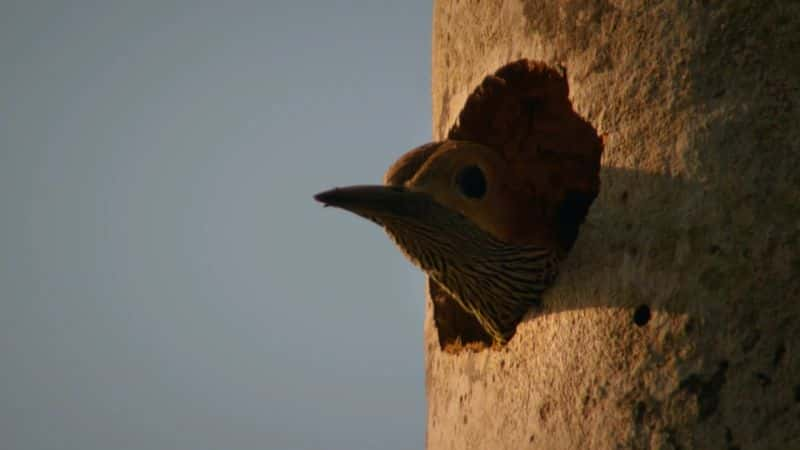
point(491, 210)
point(449, 207)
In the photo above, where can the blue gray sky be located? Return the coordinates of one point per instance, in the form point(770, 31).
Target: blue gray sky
point(166, 280)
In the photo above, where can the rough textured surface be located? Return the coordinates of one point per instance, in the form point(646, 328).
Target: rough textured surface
point(697, 223)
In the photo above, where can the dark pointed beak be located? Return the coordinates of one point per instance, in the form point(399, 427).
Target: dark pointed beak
point(378, 202)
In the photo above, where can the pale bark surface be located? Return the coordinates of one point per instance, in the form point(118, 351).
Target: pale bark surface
point(698, 218)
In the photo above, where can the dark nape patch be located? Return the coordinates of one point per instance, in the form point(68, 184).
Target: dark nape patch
point(641, 315)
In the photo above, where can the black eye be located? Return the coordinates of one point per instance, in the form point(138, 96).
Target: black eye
point(471, 182)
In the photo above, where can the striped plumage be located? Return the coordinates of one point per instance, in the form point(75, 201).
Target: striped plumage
point(494, 281)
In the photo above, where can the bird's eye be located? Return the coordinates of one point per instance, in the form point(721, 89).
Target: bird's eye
point(471, 182)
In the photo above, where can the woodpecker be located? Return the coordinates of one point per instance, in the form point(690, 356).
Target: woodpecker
point(457, 212)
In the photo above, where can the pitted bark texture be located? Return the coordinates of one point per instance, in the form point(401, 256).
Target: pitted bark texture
point(698, 218)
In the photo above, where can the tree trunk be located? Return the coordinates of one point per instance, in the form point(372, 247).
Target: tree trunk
point(674, 323)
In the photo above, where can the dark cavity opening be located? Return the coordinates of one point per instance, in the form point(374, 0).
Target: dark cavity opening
point(523, 112)
point(641, 315)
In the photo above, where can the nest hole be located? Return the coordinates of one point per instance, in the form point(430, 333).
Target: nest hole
point(641, 315)
point(524, 109)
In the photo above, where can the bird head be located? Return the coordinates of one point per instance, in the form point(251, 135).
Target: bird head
point(451, 208)
point(437, 185)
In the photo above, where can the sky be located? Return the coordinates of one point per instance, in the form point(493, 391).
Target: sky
point(166, 279)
